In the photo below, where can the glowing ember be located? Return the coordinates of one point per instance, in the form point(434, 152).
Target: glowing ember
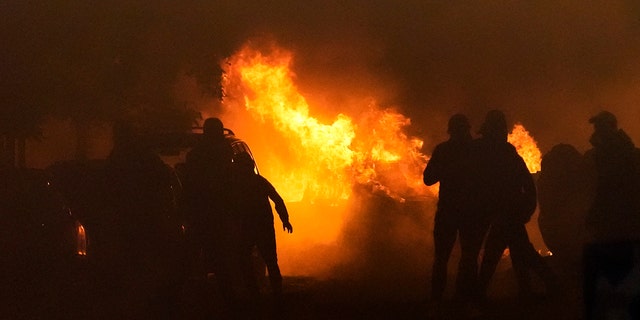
point(526, 146)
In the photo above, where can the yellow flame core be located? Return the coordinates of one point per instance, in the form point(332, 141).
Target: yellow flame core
point(323, 161)
point(526, 146)
point(271, 96)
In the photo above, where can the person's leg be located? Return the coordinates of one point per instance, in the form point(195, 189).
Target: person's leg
point(220, 258)
point(444, 237)
point(472, 236)
point(249, 272)
point(267, 247)
point(493, 250)
point(525, 258)
point(519, 255)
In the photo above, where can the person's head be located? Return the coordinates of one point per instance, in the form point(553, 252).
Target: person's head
point(459, 126)
point(494, 126)
point(213, 127)
point(604, 122)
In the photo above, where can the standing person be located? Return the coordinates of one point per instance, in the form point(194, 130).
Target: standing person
point(613, 222)
point(507, 194)
point(207, 175)
point(251, 195)
point(563, 203)
point(450, 165)
point(141, 241)
point(614, 166)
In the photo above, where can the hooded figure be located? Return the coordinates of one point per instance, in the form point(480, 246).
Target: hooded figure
point(506, 195)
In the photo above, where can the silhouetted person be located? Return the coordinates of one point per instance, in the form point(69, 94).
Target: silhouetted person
point(507, 194)
point(141, 243)
point(251, 195)
point(614, 166)
point(563, 200)
point(450, 166)
point(140, 181)
point(207, 175)
point(613, 222)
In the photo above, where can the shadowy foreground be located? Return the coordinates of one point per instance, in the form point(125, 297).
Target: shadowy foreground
point(393, 297)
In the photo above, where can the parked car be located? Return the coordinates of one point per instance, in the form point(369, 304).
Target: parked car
point(37, 225)
point(84, 188)
point(44, 245)
point(136, 253)
point(239, 146)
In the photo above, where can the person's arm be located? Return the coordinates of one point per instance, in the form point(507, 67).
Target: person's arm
point(433, 172)
point(529, 192)
point(281, 208)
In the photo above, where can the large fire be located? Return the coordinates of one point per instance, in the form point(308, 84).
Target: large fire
point(317, 164)
point(311, 160)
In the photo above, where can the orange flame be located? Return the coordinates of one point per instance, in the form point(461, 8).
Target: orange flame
point(526, 146)
point(319, 161)
point(315, 164)
point(313, 161)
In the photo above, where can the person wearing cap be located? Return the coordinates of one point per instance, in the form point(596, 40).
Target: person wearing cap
point(613, 220)
point(614, 167)
point(449, 165)
point(506, 194)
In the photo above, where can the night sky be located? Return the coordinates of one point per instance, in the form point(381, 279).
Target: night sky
point(549, 64)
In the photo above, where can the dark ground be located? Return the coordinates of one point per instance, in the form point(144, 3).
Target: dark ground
point(309, 298)
point(313, 299)
point(394, 297)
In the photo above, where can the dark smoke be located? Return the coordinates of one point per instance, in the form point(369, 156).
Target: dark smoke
point(549, 65)
point(386, 241)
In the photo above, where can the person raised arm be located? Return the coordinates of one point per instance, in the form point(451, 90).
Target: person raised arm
point(281, 208)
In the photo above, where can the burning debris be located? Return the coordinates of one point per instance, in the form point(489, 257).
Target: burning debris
point(316, 160)
point(314, 163)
